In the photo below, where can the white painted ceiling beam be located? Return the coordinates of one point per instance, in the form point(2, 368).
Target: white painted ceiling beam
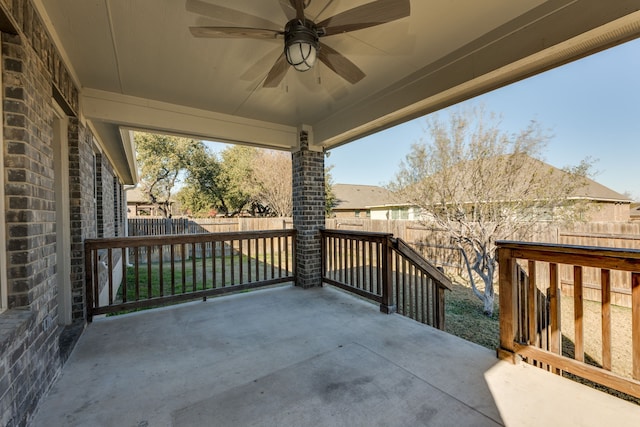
point(154, 116)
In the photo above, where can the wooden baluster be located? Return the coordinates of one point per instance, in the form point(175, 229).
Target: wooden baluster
point(531, 300)
point(605, 285)
point(204, 265)
point(257, 261)
point(555, 345)
point(223, 262)
point(214, 266)
point(578, 313)
point(172, 254)
point(110, 274)
point(160, 271)
point(273, 267)
point(136, 267)
point(279, 257)
point(240, 263)
point(194, 270)
point(232, 264)
point(183, 251)
point(124, 273)
point(635, 322)
point(149, 285)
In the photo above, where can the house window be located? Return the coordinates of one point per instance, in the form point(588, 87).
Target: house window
point(357, 213)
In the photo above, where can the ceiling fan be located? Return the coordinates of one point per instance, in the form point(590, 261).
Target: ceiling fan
point(302, 45)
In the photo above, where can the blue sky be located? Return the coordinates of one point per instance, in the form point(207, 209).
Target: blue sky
point(591, 107)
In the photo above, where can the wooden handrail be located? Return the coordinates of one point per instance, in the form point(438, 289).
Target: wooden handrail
point(521, 309)
point(424, 265)
point(172, 268)
point(391, 271)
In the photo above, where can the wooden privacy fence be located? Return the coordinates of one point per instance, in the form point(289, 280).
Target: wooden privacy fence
point(161, 226)
point(531, 314)
point(385, 270)
point(136, 272)
point(434, 244)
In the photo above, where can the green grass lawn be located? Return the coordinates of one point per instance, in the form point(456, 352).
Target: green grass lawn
point(198, 274)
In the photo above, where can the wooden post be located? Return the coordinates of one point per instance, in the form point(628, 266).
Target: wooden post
point(387, 305)
point(324, 249)
point(88, 256)
point(506, 283)
point(440, 311)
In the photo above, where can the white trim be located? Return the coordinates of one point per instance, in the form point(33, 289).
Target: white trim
point(134, 113)
point(63, 213)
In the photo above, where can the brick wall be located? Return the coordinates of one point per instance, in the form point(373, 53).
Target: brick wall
point(308, 212)
point(33, 74)
point(29, 358)
point(105, 197)
point(82, 209)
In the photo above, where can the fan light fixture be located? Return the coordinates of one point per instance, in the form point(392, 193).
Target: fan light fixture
point(300, 44)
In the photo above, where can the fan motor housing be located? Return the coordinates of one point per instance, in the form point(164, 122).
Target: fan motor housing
point(301, 44)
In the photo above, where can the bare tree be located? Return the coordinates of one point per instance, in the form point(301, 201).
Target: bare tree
point(480, 185)
point(272, 173)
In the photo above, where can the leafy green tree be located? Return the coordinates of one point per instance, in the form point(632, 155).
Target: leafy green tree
point(237, 178)
point(204, 187)
point(480, 185)
point(162, 160)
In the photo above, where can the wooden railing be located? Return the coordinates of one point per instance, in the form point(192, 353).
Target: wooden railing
point(137, 272)
point(387, 271)
point(531, 313)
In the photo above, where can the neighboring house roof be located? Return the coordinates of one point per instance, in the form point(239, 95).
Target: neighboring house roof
point(596, 191)
point(592, 190)
point(635, 211)
point(351, 197)
point(137, 196)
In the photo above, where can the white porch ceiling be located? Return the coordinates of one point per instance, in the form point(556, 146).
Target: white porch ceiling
point(139, 67)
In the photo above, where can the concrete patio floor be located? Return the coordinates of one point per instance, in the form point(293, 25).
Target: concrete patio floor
point(292, 357)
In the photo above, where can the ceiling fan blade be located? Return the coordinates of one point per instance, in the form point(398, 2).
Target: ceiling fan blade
point(234, 32)
point(298, 5)
point(277, 72)
point(368, 15)
point(225, 14)
point(339, 64)
point(288, 9)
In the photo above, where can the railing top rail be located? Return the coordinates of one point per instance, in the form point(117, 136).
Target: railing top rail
point(137, 241)
point(374, 234)
point(589, 256)
point(407, 251)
